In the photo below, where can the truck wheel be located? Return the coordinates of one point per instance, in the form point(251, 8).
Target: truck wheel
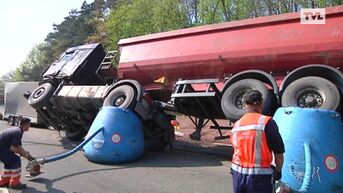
point(41, 95)
point(232, 104)
point(155, 144)
point(75, 134)
point(10, 120)
point(122, 96)
point(312, 92)
point(16, 121)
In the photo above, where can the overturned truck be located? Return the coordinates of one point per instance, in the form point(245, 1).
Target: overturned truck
point(201, 72)
point(83, 80)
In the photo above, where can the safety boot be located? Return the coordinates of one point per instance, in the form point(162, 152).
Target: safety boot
point(19, 186)
point(4, 182)
point(15, 181)
point(5, 178)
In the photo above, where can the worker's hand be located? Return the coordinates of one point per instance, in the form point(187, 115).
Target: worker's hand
point(276, 174)
point(28, 156)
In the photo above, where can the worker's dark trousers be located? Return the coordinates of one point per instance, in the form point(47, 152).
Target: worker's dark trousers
point(243, 183)
point(10, 160)
point(12, 166)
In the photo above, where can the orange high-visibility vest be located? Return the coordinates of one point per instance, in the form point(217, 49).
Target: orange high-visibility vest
point(251, 151)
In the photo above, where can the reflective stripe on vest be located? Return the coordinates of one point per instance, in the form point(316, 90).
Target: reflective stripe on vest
point(250, 171)
point(248, 156)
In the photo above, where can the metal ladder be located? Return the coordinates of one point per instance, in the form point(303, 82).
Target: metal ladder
point(106, 71)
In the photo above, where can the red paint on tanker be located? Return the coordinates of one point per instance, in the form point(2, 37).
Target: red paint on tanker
point(274, 43)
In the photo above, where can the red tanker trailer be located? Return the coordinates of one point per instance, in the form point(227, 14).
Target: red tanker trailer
point(204, 71)
point(293, 64)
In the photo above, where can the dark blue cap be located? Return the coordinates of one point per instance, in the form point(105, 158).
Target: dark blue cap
point(252, 97)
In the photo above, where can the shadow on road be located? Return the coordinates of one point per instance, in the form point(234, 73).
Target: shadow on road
point(50, 182)
point(222, 152)
point(48, 185)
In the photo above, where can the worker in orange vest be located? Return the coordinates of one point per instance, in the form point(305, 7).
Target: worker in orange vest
point(10, 145)
point(256, 141)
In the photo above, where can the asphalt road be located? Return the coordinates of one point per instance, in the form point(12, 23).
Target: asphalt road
point(171, 171)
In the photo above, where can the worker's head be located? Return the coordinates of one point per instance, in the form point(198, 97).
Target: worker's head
point(25, 124)
point(252, 99)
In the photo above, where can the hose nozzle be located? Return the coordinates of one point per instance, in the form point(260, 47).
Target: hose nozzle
point(33, 167)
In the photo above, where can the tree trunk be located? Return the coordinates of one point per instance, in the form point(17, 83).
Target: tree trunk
point(195, 7)
point(269, 5)
point(312, 4)
point(226, 15)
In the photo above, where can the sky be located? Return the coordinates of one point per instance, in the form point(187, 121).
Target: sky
point(25, 23)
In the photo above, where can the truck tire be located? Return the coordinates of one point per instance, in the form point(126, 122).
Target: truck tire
point(16, 121)
point(123, 96)
point(155, 144)
point(231, 101)
point(312, 92)
point(75, 134)
point(41, 95)
point(162, 131)
point(10, 120)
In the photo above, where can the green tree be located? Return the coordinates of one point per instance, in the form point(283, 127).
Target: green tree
point(209, 12)
point(71, 32)
point(168, 15)
point(77, 28)
point(96, 17)
point(139, 17)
